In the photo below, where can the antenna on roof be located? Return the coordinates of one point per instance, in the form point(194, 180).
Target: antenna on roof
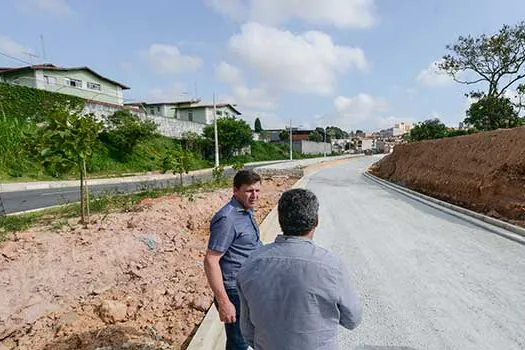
point(43, 48)
point(31, 56)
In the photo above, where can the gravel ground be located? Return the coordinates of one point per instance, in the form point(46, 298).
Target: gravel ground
point(428, 280)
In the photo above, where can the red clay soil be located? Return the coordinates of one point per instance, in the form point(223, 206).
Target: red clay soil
point(131, 280)
point(483, 172)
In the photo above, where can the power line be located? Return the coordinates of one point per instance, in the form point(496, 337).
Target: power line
point(14, 58)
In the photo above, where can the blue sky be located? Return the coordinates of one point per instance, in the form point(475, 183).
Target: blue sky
point(357, 64)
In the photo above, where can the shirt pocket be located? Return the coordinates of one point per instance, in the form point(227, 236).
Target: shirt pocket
point(246, 236)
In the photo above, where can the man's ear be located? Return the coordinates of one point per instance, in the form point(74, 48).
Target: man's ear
point(317, 220)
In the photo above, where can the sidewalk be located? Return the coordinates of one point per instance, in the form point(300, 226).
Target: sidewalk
point(42, 185)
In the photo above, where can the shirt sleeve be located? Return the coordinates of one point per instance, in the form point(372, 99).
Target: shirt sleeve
point(247, 328)
point(349, 304)
point(222, 234)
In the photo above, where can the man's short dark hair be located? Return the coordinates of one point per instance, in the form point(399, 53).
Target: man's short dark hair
point(245, 177)
point(298, 212)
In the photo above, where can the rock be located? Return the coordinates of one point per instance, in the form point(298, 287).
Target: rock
point(8, 344)
point(69, 318)
point(200, 303)
point(111, 311)
point(178, 301)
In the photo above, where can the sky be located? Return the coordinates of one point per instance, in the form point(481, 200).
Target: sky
point(355, 64)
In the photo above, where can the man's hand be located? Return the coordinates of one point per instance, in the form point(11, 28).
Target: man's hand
point(227, 311)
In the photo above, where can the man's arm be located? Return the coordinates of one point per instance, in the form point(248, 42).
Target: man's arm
point(247, 328)
point(214, 276)
point(349, 304)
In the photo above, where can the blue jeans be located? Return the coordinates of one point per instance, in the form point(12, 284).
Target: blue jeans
point(234, 340)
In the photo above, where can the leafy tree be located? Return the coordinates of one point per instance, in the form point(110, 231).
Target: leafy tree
point(179, 162)
point(491, 113)
point(66, 141)
point(428, 130)
point(193, 142)
point(258, 126)
point(333, 132)
point(124, 131)
point(284, 135)
point(316, 136)
point(234, 134)
point(497, 60)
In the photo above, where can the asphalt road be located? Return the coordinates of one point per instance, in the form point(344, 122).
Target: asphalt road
point(428, 280)
point(15, 202)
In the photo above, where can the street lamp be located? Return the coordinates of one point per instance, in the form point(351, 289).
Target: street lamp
point(324, 144)
point(216, 132)
point(291, 144)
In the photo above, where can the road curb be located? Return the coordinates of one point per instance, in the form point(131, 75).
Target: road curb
point(210, 334)
point(45, 185)
point(499, 227)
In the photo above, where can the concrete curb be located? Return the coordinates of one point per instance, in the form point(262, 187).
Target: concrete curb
point(44, 185)
point(210, 334)
point(496, 226)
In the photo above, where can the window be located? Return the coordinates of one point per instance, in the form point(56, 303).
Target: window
point(74, 82)
point(158, 109)
point(152, 111)
point(93, 86)
point(190, 116)
point(50, 80)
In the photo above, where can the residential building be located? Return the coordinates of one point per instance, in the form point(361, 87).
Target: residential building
point(77, 81)
point(191, 110)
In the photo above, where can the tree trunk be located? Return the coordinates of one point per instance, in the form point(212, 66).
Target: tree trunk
point(82, 199)
point(86, 188)
point(180, 175)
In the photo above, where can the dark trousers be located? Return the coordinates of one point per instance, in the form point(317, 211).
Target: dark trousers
point(234, 340)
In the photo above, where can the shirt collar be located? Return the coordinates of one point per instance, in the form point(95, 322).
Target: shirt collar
point(292, 239)
point(237, 205)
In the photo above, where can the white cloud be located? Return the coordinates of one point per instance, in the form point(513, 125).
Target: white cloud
point(268, 120)
point(353, 112)
point(432, 76)
point(308, 62)
point(175, 92)
point(339, 13)
point(259, 97)
point(12, 48)
point(60, 8)
point(228, 73)
point(168, 59)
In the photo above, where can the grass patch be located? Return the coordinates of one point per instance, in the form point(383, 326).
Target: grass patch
point(56, 218)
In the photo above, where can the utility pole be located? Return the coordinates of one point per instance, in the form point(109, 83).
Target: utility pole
point(324, 144)
point(216, 132)
point(291, 145)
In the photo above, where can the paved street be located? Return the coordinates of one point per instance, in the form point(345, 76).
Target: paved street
point(42, 198)
point(429, 280)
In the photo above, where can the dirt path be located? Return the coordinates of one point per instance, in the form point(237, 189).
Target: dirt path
point(131, 281)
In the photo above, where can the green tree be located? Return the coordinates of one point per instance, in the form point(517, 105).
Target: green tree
point(335, 132)
point(234, 134)
point(428, 130)
point(497, 60)
point(124, 131)
point(316, 135)
point(66, 141)
point(491, 113)
point(179, 161)
point(284, 135)
point(258, 125)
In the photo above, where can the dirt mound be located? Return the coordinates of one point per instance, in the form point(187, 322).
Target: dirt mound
point(132, 280)
point(483, 172)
